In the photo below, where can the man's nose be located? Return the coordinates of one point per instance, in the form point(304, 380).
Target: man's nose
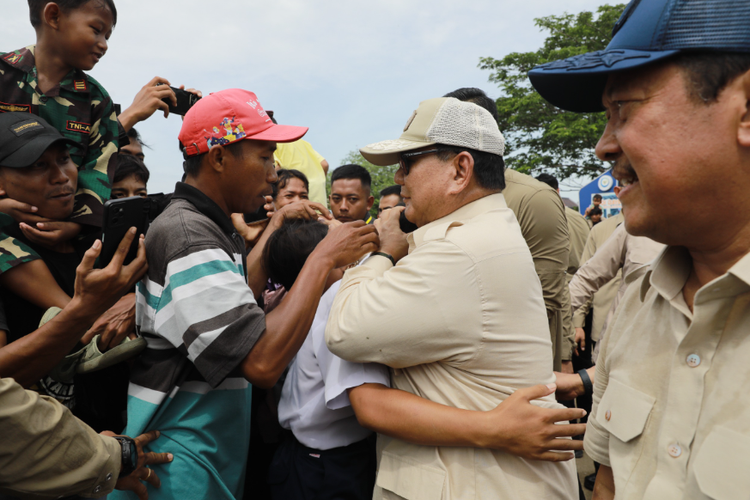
point(398, 177)
point(608, 149)
point(271, 175)
point(344, 207)
point(58, 175)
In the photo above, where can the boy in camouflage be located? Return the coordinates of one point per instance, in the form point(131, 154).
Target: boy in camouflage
point(48, 79)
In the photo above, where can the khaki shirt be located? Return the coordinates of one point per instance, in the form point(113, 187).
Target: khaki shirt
point(670, 414)
point(541, 215)
point(579, 230)
point(46, 452)
point(461, 321)
point(602, 302)
point(621, 251)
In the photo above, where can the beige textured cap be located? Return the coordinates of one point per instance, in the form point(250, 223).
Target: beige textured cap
point(444, 120)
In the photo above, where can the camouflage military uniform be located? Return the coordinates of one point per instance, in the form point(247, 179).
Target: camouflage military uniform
point(14, 253)
point(81, 110)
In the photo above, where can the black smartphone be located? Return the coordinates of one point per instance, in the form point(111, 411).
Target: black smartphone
point(406, 225)
point(185, 101)
point(119, 216)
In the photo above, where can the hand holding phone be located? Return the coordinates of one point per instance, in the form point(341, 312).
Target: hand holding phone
point(185, 100)
point(119, 216)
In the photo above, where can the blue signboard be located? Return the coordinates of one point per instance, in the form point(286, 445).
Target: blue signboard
point(603, 185)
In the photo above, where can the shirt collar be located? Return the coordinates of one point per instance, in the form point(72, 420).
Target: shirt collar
point(671, 269)
point(668, 273)
point(24, 60)
point(741, 269)
point(437, 229)
point(204, 204)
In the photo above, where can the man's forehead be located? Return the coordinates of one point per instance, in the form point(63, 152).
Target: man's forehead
point(295, 183)
point(645, 79)
point(266, 146)
point(347, 186)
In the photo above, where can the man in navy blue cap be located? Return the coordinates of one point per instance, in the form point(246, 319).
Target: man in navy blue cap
point(675, 84)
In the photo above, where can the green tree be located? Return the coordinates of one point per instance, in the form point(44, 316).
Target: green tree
point(540, 137)
point(382, 177)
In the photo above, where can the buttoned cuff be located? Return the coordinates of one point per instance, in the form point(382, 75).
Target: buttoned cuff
point(596, 443)
point(579, 320)
point(378, 264)
point(105, 483)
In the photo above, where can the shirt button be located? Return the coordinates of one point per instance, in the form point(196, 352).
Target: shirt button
point(97, 489)
point(43, 99)
point(693, 360)
point(674, 450)
point(608, 415)
point(109, 477)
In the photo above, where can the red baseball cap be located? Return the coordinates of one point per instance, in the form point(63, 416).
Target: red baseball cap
point(229, 116)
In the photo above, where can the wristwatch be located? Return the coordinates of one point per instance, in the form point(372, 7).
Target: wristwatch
point(129, 455)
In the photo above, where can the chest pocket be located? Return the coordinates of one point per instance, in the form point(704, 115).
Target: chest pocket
point(721, 465)
point(623, 411)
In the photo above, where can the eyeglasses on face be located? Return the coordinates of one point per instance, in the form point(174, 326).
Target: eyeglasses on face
point(406, 159)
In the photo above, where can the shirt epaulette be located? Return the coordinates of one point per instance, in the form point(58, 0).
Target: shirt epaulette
point(78, 81)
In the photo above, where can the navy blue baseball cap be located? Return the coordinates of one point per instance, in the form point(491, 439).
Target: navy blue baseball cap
point(648, 31)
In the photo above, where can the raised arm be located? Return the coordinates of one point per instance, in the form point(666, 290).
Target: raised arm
point(96, 290)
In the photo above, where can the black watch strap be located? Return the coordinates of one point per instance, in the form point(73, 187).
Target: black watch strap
point(129, 455)
point(588, 387)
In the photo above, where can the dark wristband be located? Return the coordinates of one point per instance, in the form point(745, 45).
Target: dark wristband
point(588, 387)
point(389, 257)
point(129, 455)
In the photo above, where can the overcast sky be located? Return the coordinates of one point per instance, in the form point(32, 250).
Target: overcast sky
point(352, 71)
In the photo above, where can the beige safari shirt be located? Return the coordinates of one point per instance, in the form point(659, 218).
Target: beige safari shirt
point(670, 414)
point(541, 215)
point(579, 230)
point(461, 321)
point(621, 252)
point(46, 452)
point(603, 298)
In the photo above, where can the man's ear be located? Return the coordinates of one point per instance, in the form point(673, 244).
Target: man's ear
point(463, 164)
point(743, 131)
point(51, 15)
point(370, 202)
point(217, 158)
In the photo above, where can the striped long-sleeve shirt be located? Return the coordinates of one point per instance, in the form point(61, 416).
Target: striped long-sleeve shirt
point(201, 320)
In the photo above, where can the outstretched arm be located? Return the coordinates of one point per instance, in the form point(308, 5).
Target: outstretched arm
point(515, 426)
point(288, 324)
point(31, 357)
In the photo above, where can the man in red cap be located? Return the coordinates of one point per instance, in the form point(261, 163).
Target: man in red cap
point(208, 340)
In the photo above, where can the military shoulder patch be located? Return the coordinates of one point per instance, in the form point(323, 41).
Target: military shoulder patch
point(84, 128)
point(80, 85)
point(12, 58)
point(6, 107)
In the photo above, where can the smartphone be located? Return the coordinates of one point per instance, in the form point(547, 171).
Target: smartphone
point(119, 216)
point(185, 101)
point(406, 225)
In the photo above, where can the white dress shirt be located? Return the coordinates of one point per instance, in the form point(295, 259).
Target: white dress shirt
point(314, 403)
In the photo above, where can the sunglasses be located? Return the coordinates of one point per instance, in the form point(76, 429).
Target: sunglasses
point(406, 159)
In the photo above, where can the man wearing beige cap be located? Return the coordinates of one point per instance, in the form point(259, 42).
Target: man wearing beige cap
point(456, 310)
